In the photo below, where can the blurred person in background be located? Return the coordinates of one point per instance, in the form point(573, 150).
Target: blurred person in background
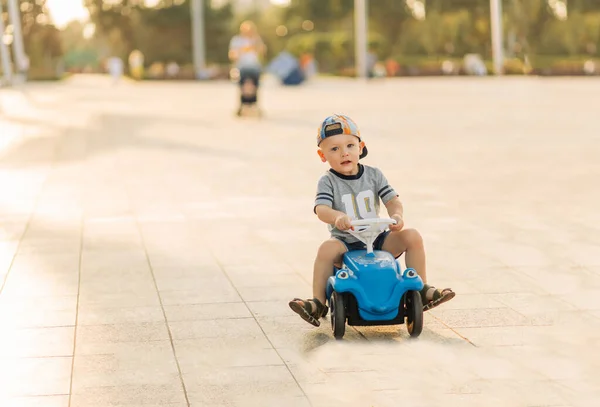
point(115, 68)
point(246, 51)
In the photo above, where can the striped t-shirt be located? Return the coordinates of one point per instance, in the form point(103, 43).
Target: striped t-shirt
point(357, 195)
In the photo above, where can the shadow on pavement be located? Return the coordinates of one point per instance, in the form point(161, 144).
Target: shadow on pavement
point(110, 133)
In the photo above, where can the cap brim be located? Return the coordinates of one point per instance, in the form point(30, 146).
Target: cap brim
point(364, 152)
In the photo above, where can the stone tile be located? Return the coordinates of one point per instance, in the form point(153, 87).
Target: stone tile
point(583, 253)
point(322, 395)
point(266, 293)
point(92, 275)
point(170, 395)
point(564, 283)
point(461, 261)
point(205, 270)
point(185, 259)
point(433, 328)
point(124, 332)
point(498, 335)
point(37, 342)
point(293, 332)
point(217, 283)
point(579, 321)
point(49, 245)
point(120, 300)
point(12, 231)
point(579, 392)
point(54, 263)
point(376, 366)
point(480, 317)
point(554, 364)
point(36, 318)
point(584, 299)
point(40, 401)
point(235, 385)
point(430, 399)
point(37, 312)
point(261, 272)
point(40, 285)
point(532, 304)
point(520, 255)
point(205, 295)
point(458, 285)
point(466, 301)
point(117, 285)
point(194, 312)
point(216, 328)
point(525, 392)
point(499, 281)
point(273, 308)
point(32, 376)
point(200, 354)
point(253, 281)
point(89, 315)
point(102, 259)
point(304, 370)
point(502, 363)
point(49, 303)
point(144, 364)
point(8, 248)
point(111, 238)
point(438, 334)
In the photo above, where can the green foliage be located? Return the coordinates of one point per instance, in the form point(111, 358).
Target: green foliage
point(41, 39)
point(451, 29)
point(163, 33)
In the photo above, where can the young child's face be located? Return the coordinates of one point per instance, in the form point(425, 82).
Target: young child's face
point(342, 152)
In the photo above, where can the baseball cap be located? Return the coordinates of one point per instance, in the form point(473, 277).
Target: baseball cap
point(339, 124)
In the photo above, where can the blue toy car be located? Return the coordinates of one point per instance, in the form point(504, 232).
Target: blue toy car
point(371, 288)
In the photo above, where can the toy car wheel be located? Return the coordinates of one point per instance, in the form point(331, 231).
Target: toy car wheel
point(414, 313)
point(338, 314)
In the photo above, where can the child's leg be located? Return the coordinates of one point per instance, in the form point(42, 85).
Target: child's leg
point(329, 254)
point(409, 241)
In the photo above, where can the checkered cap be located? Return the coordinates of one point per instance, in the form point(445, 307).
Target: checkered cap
point(339, 124)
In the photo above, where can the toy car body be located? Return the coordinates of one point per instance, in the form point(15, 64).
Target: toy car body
point(371, 289)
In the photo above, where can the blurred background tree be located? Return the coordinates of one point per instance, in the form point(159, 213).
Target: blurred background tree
point(537, 33)
point(163, 32)
point(41, 39)
point(82, 50)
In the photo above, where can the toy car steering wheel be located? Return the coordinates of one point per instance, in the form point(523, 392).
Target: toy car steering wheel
point(368, 229)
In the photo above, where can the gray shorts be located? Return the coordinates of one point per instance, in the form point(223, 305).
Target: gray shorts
point(377, 244)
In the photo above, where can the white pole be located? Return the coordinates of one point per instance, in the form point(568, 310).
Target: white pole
point(360, 33)
point(497, 30)
point(18, 48)
point(4, 54)
point(198, 37)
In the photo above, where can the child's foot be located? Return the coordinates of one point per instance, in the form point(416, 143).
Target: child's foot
point(432, 297)
point(309, 310)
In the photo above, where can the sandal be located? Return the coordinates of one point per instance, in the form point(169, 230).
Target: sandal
point(304, 308)
point(439, 296)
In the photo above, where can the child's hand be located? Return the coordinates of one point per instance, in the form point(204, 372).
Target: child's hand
point(343, 222)
point(399, 223)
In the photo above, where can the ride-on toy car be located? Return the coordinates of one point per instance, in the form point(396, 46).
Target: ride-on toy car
point(371, 289)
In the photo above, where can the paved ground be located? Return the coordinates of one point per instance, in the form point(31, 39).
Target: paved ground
point(149, 243)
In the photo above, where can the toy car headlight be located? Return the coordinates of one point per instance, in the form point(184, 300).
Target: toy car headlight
point(410, 273)
point(342, 275)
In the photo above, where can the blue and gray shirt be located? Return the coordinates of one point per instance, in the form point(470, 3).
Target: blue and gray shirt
point(358, 196)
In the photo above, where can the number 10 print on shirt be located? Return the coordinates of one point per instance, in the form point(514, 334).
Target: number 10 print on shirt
point(362, 206)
